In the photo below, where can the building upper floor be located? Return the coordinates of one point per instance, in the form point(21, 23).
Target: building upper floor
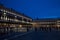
point(9, 14)
point(47, 21)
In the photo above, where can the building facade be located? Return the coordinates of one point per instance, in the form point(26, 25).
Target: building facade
point(13, 21)
point(47, 24)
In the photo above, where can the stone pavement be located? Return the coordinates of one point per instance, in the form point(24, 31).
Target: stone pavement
point(40, 35)
point(11, 35)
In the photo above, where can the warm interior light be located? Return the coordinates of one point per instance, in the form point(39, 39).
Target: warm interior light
point(4, 13)
point(20, 26)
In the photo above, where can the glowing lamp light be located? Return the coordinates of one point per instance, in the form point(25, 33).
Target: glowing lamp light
point(4, 13)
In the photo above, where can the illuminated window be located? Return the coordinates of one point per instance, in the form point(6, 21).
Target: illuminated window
point(58, 25)
point(4, 13)
point(20, 26)
point(6, 18)
point(1, 17)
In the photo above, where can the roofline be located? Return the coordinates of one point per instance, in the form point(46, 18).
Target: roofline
point(13, 10)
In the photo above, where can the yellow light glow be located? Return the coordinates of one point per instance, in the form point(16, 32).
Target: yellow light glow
point(20, 26)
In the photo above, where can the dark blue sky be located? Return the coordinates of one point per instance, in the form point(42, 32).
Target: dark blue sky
point(35, 8)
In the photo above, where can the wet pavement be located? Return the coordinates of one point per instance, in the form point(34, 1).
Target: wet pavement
point(9, 35)
point(39, 35)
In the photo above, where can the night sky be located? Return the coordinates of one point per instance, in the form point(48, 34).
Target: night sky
point(35, 8)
